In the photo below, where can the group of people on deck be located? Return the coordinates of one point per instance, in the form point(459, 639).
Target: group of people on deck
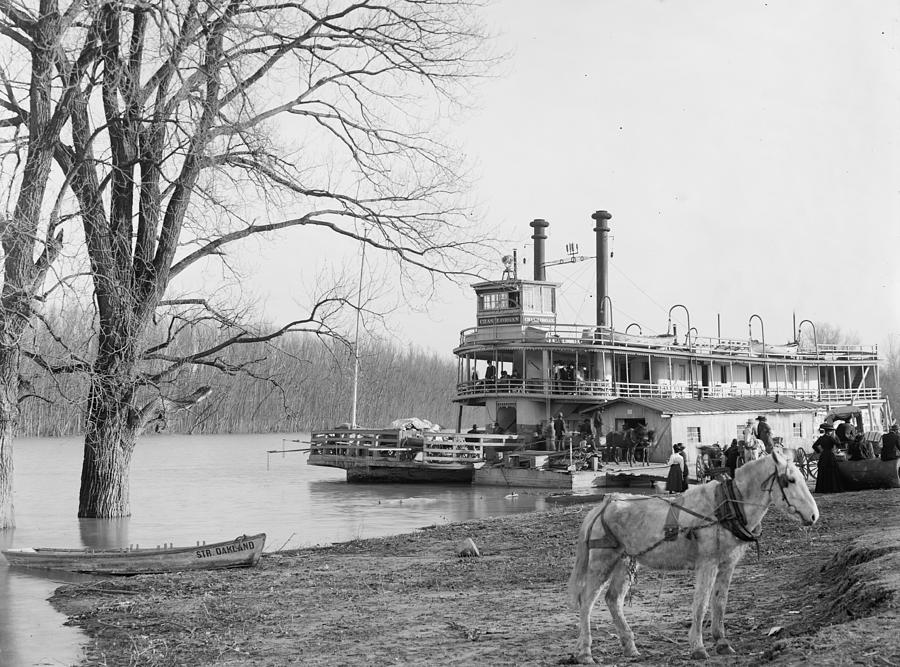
point(828, 479)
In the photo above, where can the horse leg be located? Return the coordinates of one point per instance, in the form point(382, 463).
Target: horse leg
point(600, 563)
point(720, 600)
point(619, 582)
point(703, 584)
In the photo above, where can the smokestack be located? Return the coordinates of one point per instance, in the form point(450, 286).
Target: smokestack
point(601, 218)
point(539, 237)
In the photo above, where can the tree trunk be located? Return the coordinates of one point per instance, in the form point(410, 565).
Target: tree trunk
point(9, 415)
point(108, 446)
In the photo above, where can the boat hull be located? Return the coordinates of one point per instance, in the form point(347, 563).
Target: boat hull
point(244, 551)
point(869, 474)
point(399, 473)
point(560, 479)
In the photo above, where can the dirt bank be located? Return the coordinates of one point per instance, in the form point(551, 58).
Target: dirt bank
point(822, 596)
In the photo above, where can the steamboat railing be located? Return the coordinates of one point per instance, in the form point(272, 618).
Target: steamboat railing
point(582, 335)
point(606, 390)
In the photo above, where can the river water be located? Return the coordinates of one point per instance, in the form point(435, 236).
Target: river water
point(207, 488)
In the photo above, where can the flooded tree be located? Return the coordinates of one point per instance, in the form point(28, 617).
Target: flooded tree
point(44, 64)
point(200, 124)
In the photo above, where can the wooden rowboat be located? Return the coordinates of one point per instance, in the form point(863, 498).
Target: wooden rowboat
point(869, 474)
point(243, 551)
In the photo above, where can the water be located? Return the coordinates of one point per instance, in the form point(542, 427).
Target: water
point(209, 488)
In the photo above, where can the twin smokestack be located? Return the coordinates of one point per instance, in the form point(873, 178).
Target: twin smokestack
point(601, 219)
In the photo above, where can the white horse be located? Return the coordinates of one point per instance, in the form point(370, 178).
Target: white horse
point(707, 527)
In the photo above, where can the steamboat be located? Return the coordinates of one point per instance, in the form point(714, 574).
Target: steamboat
point(525, 369)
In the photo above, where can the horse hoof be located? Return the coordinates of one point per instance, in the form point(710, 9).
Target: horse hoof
point(699, 654)
point(724, 648)
point(632, 653)
point(584, 659)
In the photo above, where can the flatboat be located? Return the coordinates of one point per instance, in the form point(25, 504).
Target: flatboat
point(243, 551)
point(405, 455)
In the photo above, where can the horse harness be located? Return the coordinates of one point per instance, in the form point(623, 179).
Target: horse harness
point(729, 513)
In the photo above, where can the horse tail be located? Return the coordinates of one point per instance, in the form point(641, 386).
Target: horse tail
point(578, 578)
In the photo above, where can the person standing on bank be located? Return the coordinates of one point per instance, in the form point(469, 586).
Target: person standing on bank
point(890, 444)
point(677, 470)
point(827, 478)
point(764, 433)
point(732, 454)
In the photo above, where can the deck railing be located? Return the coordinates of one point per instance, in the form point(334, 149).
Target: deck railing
point(606, 390)
point(581, 335)
point(437, 447)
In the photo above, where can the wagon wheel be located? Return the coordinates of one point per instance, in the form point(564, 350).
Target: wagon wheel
point(802, 462)
point(812, 466)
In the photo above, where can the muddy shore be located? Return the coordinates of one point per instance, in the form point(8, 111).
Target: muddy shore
point(825, 595)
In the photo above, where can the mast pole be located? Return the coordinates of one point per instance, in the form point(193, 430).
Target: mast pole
point(362, 264)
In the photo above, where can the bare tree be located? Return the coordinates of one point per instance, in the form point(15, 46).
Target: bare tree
point(199, 119)
point(36, 104)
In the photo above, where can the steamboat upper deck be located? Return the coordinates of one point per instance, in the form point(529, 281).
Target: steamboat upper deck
point(609, 364)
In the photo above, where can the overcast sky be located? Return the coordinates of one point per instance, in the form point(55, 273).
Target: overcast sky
point(749, 153)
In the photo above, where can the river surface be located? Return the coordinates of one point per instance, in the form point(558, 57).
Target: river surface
point(206, 488)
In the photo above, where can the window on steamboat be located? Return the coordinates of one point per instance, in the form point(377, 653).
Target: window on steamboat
point(539, 299)
point(505, 300)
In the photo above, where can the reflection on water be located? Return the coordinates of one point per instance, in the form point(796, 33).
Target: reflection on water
point(30, 630)
point(105, 534)
point(201, 488)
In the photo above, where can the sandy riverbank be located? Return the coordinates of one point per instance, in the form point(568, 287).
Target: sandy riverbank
point(408, 600)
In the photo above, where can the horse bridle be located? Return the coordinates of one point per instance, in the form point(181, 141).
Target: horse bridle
point(782, 479)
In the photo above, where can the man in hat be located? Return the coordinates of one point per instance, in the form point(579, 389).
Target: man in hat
point(764, 433)
point(890, 444)
point(559, 430)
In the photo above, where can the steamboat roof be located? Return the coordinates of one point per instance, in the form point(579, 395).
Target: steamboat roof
point(749, 404)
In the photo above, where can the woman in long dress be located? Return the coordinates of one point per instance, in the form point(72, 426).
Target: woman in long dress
point(827, 478)
point(677, 466)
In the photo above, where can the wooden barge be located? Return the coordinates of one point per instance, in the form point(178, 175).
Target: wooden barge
point(401, 455)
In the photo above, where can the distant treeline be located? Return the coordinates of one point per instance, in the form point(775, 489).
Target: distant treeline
point(303, 382)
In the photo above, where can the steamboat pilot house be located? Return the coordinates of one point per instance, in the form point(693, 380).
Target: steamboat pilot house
point(524, 367)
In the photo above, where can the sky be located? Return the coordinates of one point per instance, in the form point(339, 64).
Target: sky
point(749, 153)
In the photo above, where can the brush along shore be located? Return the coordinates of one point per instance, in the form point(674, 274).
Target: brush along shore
point(825, 595)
